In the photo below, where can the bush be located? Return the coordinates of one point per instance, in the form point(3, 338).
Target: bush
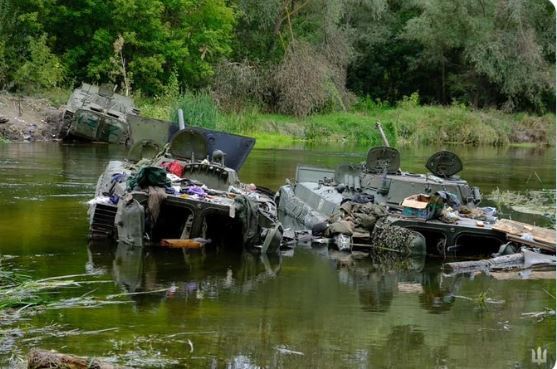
point(307, 82)
point(236, 85)
point(43, 69)
point(367, 104)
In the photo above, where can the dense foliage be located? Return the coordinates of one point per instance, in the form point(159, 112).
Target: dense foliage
point(290, 56)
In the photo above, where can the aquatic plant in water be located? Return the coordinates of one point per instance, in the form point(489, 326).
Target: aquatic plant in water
point(541, 202)
point(19, 291)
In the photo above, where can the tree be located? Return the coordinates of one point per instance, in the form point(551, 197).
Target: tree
point(487, 49)
point(509, 54)
point(42, 70)
point(160, 36)
point(304, 45)
point(384, 63)
point(120, 66)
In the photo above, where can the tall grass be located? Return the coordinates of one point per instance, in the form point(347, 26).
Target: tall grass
point(406, 123)
point(199, 110)
point(245, 122)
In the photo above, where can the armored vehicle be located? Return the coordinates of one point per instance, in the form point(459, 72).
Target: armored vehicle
point(96, 113)
point(439, 205)
point(180, 186)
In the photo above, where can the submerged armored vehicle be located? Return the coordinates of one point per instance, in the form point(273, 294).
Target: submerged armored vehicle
point(181, 186)
point(96, 113)
point(439, 205)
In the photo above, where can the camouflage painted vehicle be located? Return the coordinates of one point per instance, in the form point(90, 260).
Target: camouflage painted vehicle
point(96, 113)
point(318, 193)
point(181, 185)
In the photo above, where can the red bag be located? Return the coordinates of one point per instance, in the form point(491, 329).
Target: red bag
point(174, 167)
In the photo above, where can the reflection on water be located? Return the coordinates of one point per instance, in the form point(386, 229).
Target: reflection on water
point(181, 274)
point(227, 309)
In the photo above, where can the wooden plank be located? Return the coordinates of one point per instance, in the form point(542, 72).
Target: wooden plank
point(533, 243)
point(505, 276)
point(485, 264)
point(517, 229)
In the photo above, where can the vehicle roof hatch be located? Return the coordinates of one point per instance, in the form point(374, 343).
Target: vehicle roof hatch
point(189, 144)
point(203, 142)
point(383, 158)
point(444, 164)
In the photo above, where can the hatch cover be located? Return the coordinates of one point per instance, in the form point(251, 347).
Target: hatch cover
point(189, 144)
point(444, 164)
point(144, 149)
point(383, 158)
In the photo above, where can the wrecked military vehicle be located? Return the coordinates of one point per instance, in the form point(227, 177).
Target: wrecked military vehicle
point(96, 113)
point(364, 201)
point(180, 188)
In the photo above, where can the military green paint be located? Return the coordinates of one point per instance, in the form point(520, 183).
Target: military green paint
point(97, 127)
point(241, 311)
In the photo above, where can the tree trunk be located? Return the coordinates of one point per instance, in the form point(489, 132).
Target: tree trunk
point(443, 93)
point(476, 265)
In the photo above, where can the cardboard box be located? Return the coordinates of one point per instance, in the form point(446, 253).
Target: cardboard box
point(418, 206)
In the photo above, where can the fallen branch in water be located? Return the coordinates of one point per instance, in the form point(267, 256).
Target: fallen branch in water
point(110, 297)
point(486, 264)
point(540, 315)
point(41, 359)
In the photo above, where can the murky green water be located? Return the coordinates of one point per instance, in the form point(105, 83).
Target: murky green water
point(237, 310)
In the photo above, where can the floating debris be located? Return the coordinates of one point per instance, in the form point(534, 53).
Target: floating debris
point(540, 315)
point(524, 259)
point(42, 359)
point(284, 350)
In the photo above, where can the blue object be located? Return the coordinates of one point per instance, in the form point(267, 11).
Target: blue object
point(114, 199)
point(119, 177)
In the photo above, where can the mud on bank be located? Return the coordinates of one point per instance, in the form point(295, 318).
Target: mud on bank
point(28, 119)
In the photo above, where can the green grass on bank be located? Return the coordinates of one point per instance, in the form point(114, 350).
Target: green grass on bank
point(405, 123)
point(418, 125)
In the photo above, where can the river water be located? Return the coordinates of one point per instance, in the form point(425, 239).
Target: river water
point(230, 309)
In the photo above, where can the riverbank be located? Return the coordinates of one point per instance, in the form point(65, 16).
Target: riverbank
point(37, 119)
point(25, 118)
point(406, 123)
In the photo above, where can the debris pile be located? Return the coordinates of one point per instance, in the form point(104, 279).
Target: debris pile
point(42, 359)
point(366, 225)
